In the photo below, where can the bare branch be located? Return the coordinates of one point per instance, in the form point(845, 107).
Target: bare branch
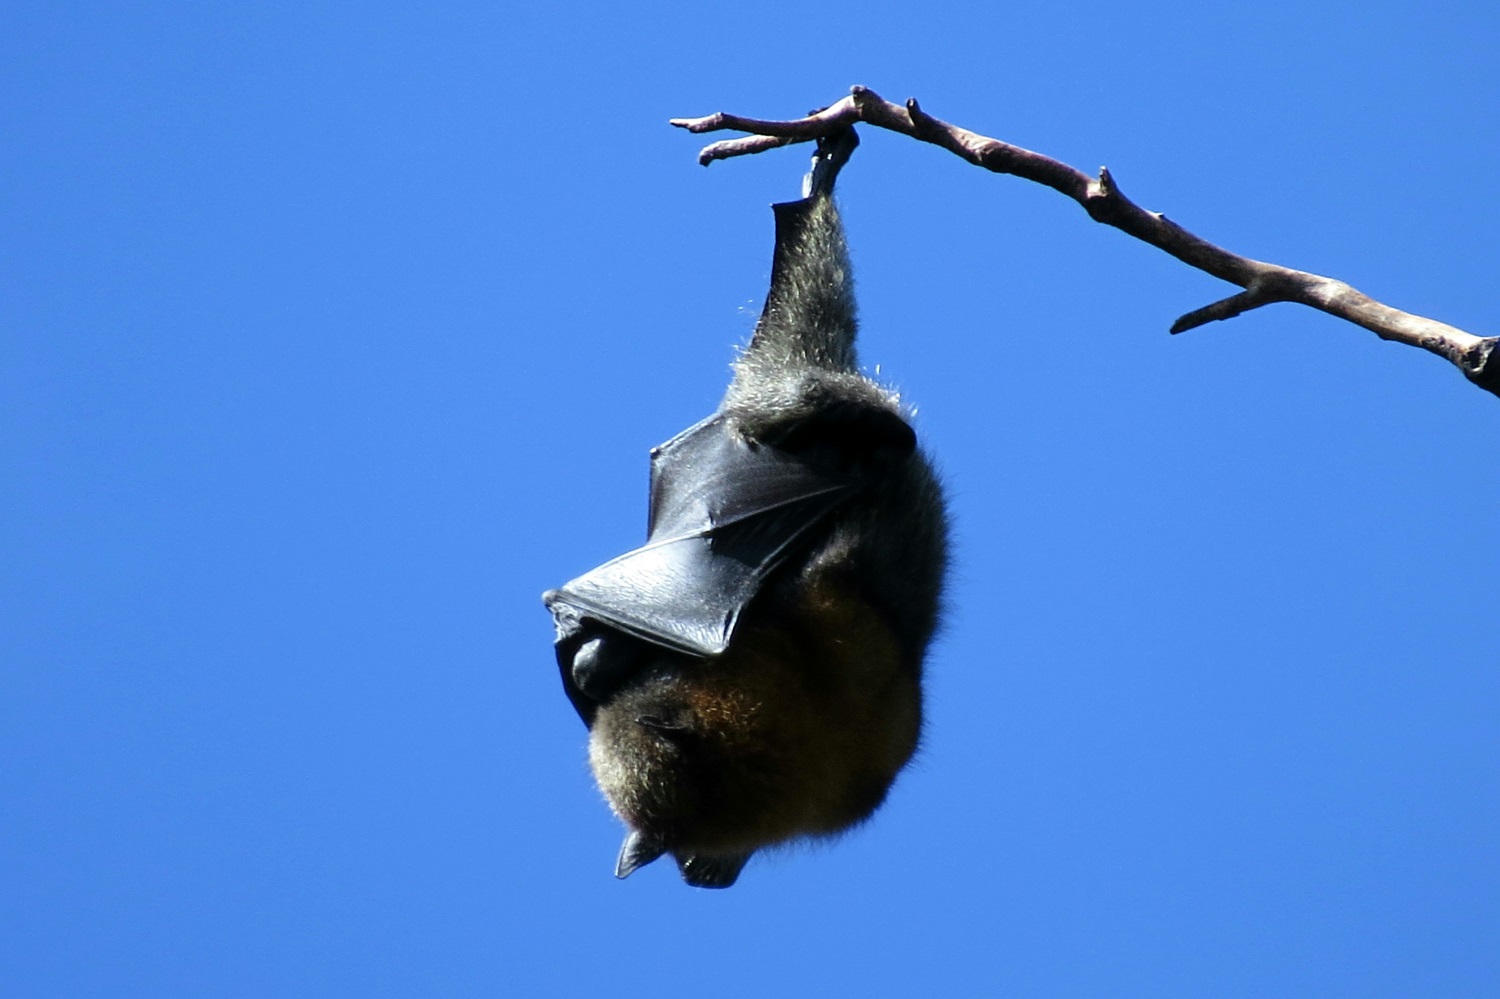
point(1228, 308)
point(1101, 197)
point(727, 148)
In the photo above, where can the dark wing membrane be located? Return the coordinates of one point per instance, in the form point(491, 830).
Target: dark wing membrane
point(687, 593)
point(708, 477)
point(724, 512)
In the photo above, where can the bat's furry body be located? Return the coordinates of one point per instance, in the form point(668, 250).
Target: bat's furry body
point(796, 723)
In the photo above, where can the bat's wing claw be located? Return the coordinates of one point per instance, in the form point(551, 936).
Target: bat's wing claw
point(636, 852)
point(712, 872)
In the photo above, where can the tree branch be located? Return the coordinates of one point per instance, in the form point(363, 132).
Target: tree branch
point(1102, 199)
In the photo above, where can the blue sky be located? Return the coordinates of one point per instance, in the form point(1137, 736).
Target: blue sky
point(332, 334)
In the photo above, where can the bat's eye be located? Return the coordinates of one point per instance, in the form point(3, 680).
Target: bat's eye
point(671, 723)
point(604, 663)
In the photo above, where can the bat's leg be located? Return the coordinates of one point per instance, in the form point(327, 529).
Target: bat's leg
point(719, 871)
point(636, 852)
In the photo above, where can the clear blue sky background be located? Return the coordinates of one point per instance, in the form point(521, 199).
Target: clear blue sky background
point(334, 333)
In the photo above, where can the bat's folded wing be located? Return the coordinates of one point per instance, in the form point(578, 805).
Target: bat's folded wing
point(724, 514)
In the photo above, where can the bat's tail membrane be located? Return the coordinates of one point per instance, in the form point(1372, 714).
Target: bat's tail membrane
point(809, 319)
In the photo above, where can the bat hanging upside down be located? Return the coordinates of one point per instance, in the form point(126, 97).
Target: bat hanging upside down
point(752, 674)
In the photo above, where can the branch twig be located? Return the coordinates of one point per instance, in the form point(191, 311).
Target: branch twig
point(1101, 197)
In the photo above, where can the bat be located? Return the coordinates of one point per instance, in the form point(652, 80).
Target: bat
point(751, 675)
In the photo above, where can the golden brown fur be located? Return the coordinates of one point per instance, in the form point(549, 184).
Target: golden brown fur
point(800, 724)
point(797, 731)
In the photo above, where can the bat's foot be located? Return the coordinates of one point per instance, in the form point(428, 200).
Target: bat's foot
point(833, 152)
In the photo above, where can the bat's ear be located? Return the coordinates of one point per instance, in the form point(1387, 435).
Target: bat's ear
point(712, 872)
point(636, 852)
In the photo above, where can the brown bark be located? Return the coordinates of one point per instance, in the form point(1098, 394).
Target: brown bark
point(1101, 198)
